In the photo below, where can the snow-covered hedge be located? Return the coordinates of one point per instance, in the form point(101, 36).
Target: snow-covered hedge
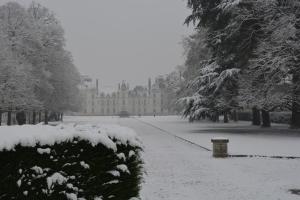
point(69, 162)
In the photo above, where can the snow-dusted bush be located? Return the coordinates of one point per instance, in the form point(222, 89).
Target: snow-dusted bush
point(69, 162)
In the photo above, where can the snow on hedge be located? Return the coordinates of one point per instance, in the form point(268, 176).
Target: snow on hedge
point(70, 161)
point(30, 135)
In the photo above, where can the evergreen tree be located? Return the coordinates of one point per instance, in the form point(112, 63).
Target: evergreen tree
point(254, 62)
point(231, 28)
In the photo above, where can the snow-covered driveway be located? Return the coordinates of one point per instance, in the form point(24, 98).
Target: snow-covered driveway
point(177, 170)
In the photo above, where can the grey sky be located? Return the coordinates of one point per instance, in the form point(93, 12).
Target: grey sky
point(117, 40)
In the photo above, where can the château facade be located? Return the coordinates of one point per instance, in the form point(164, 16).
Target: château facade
point(138, 101)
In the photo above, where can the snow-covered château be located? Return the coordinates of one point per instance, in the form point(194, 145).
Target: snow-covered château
point(138, 101)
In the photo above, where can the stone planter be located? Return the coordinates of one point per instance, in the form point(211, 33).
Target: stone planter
point(220, 149)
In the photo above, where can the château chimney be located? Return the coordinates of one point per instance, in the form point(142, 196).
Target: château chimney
point(97, 87)
point(149, 86)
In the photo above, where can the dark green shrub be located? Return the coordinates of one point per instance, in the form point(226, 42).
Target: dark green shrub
point(81, 170)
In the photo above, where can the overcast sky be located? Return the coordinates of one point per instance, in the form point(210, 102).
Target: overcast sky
point(116, 40)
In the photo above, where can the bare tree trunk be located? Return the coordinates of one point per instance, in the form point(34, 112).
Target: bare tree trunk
point(62, 117)
point(215, 117)
point(28, 118)
point(46, 116)
point(211, 116)
point(9, 118)
point(255, 117)
point(21, 118)
point(235, 116)
point(266, 122)
point(40, 116)
point(295, 120)
point(0, 117)
point(226, 120)
point(33, 117)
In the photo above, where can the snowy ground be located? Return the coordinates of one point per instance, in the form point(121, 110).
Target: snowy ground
point(244, 138)
point(177, 170)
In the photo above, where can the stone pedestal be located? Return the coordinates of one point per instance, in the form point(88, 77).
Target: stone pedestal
point(220, 149)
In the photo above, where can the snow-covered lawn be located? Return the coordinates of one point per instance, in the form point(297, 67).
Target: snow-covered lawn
point(244, 138)
point(177, 170)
